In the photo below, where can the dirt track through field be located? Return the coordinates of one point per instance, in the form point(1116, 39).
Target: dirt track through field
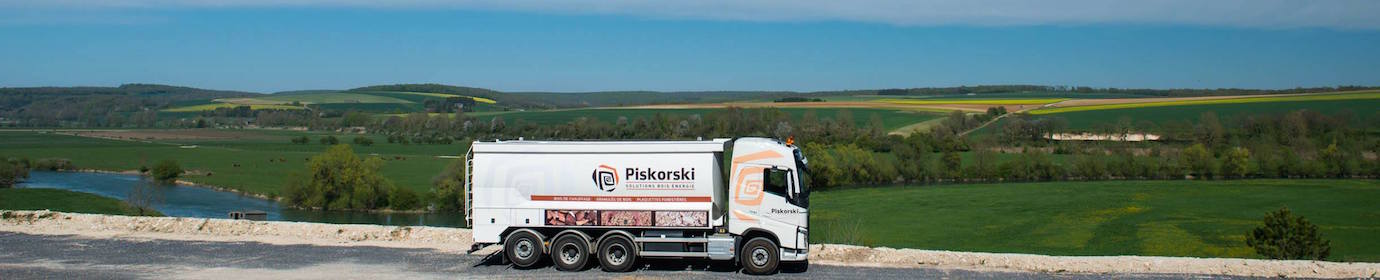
point(457, 240)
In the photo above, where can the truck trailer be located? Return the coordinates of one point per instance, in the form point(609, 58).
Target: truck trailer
point(743, 199)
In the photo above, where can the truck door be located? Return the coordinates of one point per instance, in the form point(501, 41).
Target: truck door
point(762, 201)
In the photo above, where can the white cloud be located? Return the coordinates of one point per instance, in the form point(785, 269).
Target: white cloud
point(1342, 14)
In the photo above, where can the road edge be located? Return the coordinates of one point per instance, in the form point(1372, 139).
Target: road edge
point(457, 241)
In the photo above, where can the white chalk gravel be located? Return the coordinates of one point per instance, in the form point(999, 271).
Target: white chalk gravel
point(456, 241)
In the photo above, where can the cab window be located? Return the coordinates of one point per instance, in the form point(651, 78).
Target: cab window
point(775, 181)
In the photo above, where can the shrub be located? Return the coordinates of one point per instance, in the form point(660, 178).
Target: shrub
point(144, 196)
point(1237, 162)
point(1288, 237)
point(1090, 166)
point(1199, 161)
point(8, 174)
point(364, 141)
point(339, 179)
point(403, 199)
point(301, 139)
point(447, 188)
point(953, 164)
point(1032, 165)
point(330, 140)
point(53, 164)
point(166, 171)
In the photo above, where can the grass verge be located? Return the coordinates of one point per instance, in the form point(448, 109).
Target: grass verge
point(65, 201)
point(1155, 218)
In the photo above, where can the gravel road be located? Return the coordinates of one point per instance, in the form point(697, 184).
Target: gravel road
point(27, 256)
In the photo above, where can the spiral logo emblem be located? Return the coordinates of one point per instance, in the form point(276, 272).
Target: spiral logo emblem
point(605, 178)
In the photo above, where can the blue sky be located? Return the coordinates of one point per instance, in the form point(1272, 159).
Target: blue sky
point(580, 46)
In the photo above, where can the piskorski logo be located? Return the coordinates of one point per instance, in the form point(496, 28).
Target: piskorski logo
point(605, 178)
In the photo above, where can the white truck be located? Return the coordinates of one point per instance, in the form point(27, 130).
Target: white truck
point(742, 199)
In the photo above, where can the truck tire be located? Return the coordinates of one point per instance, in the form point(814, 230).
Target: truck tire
point(760, 256)
point(617, 254)
point(523, 249)
point(570, 253)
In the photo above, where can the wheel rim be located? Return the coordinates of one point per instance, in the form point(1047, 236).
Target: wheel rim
point(524, 249)
point(570, 254)
point(617, 254)
point(759, 256)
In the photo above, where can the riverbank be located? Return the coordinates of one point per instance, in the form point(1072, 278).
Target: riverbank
point(66, 201)
point(186, 183)
point(181, 182)
point(455, 240)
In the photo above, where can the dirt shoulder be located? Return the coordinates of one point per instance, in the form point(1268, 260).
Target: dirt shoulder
point(455, 240)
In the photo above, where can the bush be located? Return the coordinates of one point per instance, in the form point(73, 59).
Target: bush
point(448, 189)
point(8, 174)
point(1237, 163)
point(53, 164)
point(301, 139)
point(166, 171)
point(1199, 161)
point(1032, 165)
point(339, 179)
point(365, 141)
point(1288, 237)
point(403, 199)
point(330, 140)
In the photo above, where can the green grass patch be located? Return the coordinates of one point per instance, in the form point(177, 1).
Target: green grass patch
point(65, 201)
point(316, 98)
point(1161, 218)
point(213, 106)
point(408, 94)
point(971, 101)
point(371, 107)
point(1089, 120)
point(266, 158)
point(891, 118)
point(1362, 95)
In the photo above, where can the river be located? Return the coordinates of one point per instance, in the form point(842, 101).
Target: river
point(198, 202)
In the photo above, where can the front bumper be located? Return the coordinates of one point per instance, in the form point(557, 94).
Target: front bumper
point(793, 255)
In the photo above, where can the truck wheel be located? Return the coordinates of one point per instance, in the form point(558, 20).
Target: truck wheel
point(570, 253)
point(523, 249)
point(616, 254)
point(760, 256)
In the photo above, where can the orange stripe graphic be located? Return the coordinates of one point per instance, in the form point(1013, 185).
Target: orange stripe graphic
point(752, 188)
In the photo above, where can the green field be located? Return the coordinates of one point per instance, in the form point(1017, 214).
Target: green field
point(1009, 95)
point(317, 98)
point(972, 101)
point(891, 118)
point(418, 96)
point(409, 166)
point(1087, 120)
point(367, 101)
point(1160, 218)
point(65, 201)
point(213, 106)
point(1341, 96)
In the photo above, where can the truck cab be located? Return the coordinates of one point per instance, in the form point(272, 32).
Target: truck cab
point(769, 197)
point(743, 199)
